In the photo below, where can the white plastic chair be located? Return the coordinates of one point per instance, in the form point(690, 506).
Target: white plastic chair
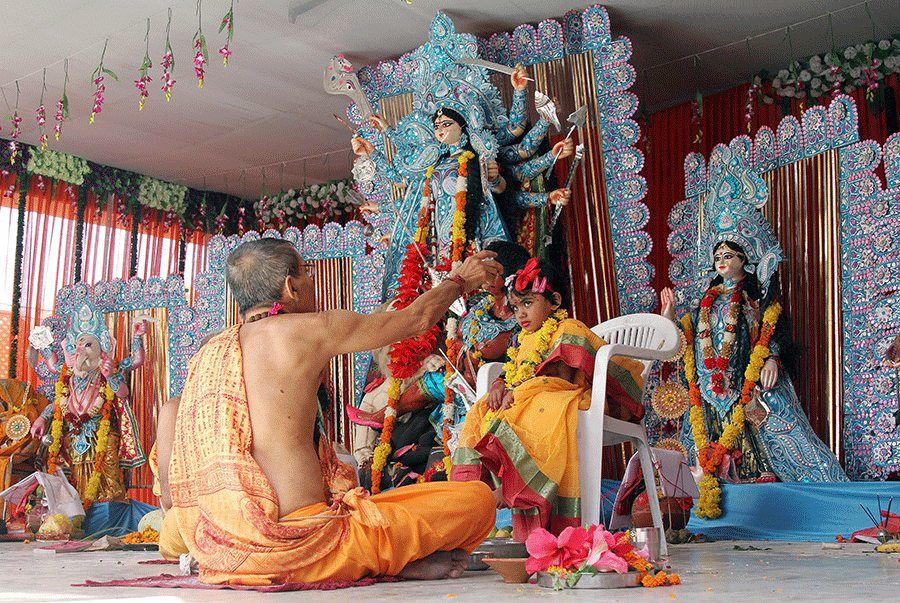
point(645, 337)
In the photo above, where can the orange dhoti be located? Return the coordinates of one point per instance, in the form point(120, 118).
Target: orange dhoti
point(228, 514)
point(420, 519)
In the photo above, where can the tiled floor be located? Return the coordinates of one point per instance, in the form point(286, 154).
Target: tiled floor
point(718, 571)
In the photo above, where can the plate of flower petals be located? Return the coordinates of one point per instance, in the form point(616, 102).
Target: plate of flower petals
point(586, 580)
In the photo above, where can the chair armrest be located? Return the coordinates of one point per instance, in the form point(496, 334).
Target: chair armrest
point(486, 375)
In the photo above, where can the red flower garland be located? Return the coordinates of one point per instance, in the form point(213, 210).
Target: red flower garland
point(721, 362)
point(406, 356)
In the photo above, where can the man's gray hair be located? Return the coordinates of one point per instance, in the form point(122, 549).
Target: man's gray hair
point(256, 270)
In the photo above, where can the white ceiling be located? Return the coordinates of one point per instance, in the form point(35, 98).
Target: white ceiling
point(266, 118)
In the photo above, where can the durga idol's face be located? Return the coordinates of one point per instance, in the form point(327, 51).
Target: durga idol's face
point(446, 130)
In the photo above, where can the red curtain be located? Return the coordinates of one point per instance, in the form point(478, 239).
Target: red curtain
point(48, 263)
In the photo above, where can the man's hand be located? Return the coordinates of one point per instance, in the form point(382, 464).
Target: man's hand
point(478, 269)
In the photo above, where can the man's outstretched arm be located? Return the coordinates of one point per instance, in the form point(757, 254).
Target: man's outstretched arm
point(353, 332)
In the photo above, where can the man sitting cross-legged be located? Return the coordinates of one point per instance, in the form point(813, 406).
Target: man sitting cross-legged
point(260, 498)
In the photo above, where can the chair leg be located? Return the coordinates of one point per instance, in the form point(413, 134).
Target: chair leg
point(652, 498)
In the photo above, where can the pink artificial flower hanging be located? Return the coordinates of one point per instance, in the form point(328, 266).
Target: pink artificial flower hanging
point(41, 120)
point(98, 97)
point(60, 117)
point(199, 61)
point(16, 129)
point(141, 83)
point(168, 61)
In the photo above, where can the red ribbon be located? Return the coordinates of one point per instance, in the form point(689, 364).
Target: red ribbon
point(529, 274)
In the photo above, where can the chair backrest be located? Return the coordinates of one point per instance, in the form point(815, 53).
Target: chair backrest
point(657, 336)
point(653, 332)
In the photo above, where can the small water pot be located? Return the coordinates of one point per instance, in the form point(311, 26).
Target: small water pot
point(647, 538)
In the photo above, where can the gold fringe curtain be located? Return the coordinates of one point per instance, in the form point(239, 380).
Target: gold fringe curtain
point(586, 223)
point(804, 209)
point(149, 386)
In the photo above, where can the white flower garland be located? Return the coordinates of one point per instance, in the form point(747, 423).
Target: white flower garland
point(60, 166)
point(163, 196)
point(320, 200)
point(857, 66)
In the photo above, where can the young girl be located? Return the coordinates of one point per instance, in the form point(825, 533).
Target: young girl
point(520, 438)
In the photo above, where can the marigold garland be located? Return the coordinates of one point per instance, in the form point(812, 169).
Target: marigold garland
point(515, 375)
point(146, 535)
point(457, 246)
point(710, 455)
point(63, 389)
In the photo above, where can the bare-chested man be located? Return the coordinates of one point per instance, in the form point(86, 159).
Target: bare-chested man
point(257, 500)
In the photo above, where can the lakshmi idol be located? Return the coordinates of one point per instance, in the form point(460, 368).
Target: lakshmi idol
point(745, 422)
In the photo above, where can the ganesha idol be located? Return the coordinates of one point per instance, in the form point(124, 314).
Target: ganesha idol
point(90, 428)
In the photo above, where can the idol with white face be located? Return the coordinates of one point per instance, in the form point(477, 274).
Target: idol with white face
point(447, 130)
point(729, 261)
point(86, 356)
